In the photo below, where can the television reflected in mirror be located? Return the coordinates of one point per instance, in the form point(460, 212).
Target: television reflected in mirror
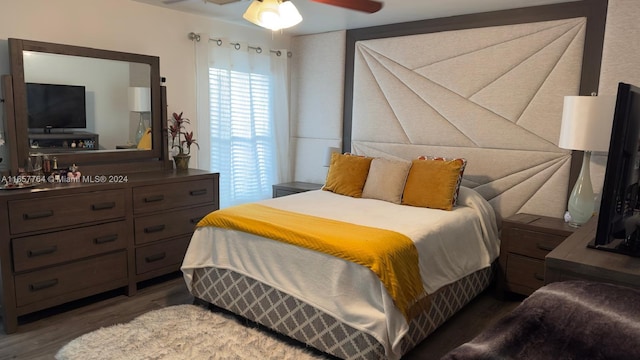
point(619, 216)
point(56, 106)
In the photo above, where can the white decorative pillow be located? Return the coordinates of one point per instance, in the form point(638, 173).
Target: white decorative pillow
point(386, 180)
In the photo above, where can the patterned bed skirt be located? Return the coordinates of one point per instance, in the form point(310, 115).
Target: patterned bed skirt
point(287, 315)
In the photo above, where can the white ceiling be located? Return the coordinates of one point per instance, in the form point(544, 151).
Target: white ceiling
point(318, 18)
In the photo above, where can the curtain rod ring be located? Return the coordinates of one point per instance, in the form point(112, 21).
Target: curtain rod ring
point(258, 49)
point(217, 41)
point(236, 46)
point(194, 36)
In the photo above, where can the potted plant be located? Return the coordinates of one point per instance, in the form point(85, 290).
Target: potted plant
point(178, 131)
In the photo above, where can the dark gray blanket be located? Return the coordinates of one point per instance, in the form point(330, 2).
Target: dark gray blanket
point(564, 320)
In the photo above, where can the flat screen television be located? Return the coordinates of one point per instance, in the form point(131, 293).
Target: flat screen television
point(52, 106)
point(619, 216)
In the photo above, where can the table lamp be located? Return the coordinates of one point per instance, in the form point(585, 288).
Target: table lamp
point(327, 155)
point(140, 102)
point(586, 125)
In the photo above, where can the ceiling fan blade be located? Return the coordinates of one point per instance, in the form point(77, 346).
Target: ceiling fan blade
point(369, 6)
point(169, 2)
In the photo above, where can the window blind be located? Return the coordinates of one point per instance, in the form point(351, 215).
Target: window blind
point(242, 145)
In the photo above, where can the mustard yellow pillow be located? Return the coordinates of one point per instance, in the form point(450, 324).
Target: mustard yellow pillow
point(433, 183)
point(145, 140)
point(347, 174)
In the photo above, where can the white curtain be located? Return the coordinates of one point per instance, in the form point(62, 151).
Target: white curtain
point(243, 118)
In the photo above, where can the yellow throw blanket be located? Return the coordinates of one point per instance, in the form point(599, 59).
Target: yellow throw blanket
point(390, 255)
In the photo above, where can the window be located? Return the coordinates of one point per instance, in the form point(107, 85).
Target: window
point(241, 135)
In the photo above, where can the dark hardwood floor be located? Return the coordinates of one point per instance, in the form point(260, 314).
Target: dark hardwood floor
point(39, 336)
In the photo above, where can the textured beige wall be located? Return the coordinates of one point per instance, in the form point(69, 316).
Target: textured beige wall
point(317, 101)
point(320, 124)
point(620, 62)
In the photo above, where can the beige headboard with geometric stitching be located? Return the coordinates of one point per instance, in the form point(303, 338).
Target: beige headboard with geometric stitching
point(492, 95)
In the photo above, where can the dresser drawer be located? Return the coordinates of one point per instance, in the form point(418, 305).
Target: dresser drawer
point(533, 244)
point(156, 227)
point(172, 195)
point(32, 252)
point(525, 271)
point(160, 255)
point(64, 280)
point(57, 211)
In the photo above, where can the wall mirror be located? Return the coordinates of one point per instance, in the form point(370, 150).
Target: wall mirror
point(86, 106)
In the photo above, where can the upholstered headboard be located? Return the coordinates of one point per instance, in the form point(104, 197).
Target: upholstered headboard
point(490, 94)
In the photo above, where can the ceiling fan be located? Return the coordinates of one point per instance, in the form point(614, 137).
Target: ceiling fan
point(368, 6)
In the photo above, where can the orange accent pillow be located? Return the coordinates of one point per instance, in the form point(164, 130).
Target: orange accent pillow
point(433, 183)
point(347, 174)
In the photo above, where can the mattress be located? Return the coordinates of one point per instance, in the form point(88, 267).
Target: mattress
point(451, 245)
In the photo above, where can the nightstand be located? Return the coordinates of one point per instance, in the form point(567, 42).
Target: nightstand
point(295, 187)
point(525, 241)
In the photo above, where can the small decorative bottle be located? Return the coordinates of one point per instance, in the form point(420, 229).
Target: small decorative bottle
point(55, 172)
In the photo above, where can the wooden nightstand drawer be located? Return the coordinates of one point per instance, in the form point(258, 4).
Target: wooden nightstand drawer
point(172, 195)
point(65, 280)
point(168, 224)
point(48, 249)
point(533, 243)
point(524, 242)
point(57, 211)
point(160, 255)
point(525, 272)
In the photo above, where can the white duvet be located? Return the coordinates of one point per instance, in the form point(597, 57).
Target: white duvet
point(451, 244)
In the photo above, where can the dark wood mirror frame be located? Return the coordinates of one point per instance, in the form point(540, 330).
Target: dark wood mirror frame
point(90, 162)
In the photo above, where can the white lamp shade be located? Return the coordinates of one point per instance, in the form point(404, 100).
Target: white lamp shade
point(586, 122)
point(139, 99)
point(327, 155)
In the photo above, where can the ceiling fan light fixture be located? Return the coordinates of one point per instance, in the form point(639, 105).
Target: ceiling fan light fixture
point(289, 14)
point(272, 14)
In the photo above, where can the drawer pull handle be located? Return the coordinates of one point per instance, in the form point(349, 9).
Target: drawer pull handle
point(198, 192)
point(155, 257)
point(103, 206)
point(155, 228)
point(37, 215)
point(40, 252)
point(154, 198)
point(105, 239)
point(544, 247)
point(43, 285)
point(538, 276)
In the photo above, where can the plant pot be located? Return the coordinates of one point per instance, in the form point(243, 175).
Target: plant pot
point(182, 161)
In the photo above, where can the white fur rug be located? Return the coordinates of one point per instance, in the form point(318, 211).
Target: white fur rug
point(182, 332)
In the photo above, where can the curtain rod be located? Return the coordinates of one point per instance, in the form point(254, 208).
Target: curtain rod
point(236, 45)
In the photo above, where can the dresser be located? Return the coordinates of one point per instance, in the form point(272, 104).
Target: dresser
point(63, 242)
point(525, 241)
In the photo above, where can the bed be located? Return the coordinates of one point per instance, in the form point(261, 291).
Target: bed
point(563, 320)
point(336, 305)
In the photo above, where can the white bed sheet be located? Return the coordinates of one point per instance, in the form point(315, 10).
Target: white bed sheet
point(451, 245)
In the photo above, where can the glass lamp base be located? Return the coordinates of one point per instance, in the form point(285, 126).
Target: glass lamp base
point(582, 201)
